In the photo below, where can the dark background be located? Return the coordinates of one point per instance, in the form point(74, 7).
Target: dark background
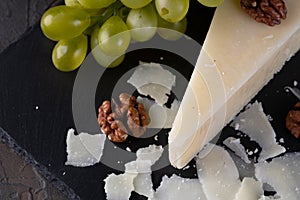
point(36, 99)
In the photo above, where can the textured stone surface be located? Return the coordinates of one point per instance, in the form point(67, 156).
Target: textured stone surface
point(18, 16)
point(21, 177)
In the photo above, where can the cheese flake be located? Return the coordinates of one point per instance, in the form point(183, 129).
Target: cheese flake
point(283, 174)
point(250, 190)
point(217, 173)
point(119, 187)
point(254, 122)
point(84, 149)
point(142, 182)
point(153, 80)
point(151, 153)
point(137, 176)
point(93, 143)
point(235, 145)
point(177, 188)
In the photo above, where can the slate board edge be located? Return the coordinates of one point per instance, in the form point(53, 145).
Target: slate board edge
point(42, 170)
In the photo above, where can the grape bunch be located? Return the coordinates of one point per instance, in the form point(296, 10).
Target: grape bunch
point(108, 27)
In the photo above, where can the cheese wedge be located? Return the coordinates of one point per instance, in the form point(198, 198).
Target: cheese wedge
point(238, 58)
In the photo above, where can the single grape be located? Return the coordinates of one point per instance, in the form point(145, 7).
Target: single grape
point(135, 3)
point(172, 10)
point(90, 11)
point(102, 58)
point(171, 31)
point(63, 22)
point(96, 3)
point(114, 37)
point(211, 3)
point(73, 3)
point(68, 55)
point(142, 23)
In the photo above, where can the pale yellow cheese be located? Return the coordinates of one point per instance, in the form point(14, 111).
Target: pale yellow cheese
point(238, 58)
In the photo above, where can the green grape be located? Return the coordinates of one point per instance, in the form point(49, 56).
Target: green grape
point(63, 22)
point(96, 3)
point(91, 11)
point(114, 37)
point(73, 3)
point(171, 31)
point(101, 58)
point(135, 3)
point(68, 55)
point(211, 3)
point(142, 23)
point(172, 10)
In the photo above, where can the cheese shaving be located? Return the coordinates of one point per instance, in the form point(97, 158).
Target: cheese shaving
point(250, 190)
point(283, 174)
point(84, 149)
point(153, 80)
point(236, 146)
point(177, 188)
point(217, 173)
point(254, 122)
point(151, 153)
point(160, 116)
point(119, 187)
point(137, 175)
point(142, 182)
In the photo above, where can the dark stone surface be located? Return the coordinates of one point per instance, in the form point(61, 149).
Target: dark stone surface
point(18, 16)
point(21, 177)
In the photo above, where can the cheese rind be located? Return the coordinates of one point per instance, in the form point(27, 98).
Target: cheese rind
point(238, 58)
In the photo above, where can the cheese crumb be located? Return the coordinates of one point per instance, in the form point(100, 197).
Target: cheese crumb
point(128, 149)
point(281, 140)
point(295, 83)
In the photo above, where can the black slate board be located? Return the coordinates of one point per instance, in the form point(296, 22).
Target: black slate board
point(36, 106)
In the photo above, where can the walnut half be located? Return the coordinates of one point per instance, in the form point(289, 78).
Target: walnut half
point(270, 12)
point(293, 120)
point(112, 117)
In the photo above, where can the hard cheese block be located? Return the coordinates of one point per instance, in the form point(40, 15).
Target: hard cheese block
point(238, 58)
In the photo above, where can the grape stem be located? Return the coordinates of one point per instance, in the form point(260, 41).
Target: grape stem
point(110, 11)
point(116, 7)
point(123, 12)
